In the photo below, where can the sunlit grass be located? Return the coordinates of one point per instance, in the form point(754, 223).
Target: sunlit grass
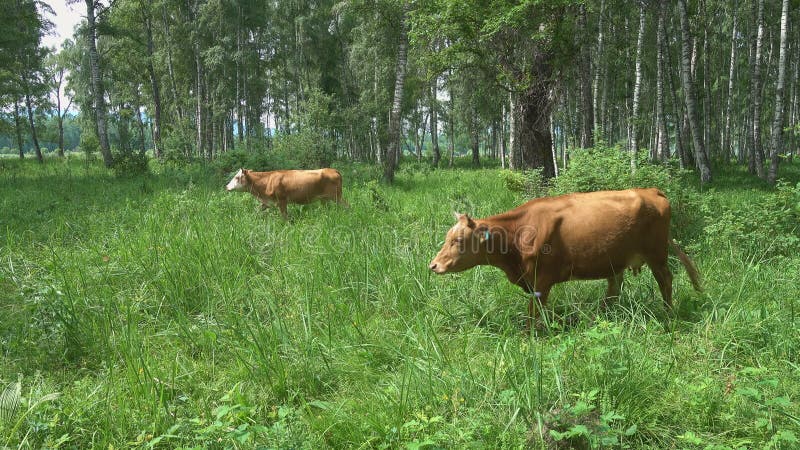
point(164, 310)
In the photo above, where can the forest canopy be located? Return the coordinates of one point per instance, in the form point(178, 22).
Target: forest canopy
point(702, 82)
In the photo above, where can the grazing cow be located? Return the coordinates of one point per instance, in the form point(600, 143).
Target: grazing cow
point(289, 186)
point(582, 236)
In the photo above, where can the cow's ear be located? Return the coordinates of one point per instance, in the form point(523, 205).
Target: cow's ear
point(245, 171)
point(457, 215)
point(470, 223)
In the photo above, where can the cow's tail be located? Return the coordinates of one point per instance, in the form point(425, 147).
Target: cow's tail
point(687, 262)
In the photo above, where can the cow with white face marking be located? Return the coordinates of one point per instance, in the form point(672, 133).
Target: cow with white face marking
point(584, 236)
point(289, 186)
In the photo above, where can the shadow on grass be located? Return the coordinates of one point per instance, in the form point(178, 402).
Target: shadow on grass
point(729, 177)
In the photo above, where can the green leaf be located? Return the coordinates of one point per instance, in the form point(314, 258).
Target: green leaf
point(325, 406)
point(691, 438)
point(243, 437)
point(578, 430)
point(419, 445)
point(786, 436)
point(749, 392)
point(779, 401)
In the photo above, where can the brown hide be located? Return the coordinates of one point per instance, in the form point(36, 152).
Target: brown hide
point(294, 186)
point(576, 236)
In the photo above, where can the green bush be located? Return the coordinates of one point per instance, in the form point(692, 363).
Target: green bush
point(89, 144)
point(530, 183)
point(129, 164)
point(609, 168)
point(305, 149)
point(174, 148)
point(760, 228)
point(302, 150)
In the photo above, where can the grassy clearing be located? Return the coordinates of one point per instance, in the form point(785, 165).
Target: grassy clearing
point(165, 312)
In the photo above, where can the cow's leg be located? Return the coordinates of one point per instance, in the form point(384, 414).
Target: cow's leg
point(614, 285)
point(540, 297)
point(664, 278)
point(282, 207)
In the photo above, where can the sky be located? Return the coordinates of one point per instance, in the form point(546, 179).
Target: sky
point(64, 21)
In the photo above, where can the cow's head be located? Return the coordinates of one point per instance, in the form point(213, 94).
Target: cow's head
point(464, 247)
point(239, 182)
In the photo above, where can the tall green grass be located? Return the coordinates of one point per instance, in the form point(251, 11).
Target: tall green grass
point(160, 311)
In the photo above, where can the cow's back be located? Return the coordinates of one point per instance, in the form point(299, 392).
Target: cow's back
point(303, 186)
point(598, 234)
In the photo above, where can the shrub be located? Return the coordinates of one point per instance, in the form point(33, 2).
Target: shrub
point(530, 183)
point(127, 164)
point(609, 168)
point(760, 228)
point(89, 144)
point(174, 148)
point(305, 149)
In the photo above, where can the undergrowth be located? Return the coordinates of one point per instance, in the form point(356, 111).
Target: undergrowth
point(159, 311)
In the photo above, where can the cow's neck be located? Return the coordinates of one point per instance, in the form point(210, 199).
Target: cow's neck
point(502, 252)
point(258, 185)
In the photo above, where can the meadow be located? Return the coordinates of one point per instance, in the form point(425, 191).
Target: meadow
point(159, 311)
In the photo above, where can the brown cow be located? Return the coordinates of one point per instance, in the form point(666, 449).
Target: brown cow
point(289, 186)
point(582, 236)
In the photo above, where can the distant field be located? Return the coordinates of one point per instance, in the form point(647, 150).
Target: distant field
point(162, 311)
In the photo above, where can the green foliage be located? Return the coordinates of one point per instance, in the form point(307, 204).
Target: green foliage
point(761, 226)
point(89, 145)
point(581, 425)
point(530, 183)
point(130, 164)
point(168, 313)
point(302, 150)
point(609, 168)
point(306, 149)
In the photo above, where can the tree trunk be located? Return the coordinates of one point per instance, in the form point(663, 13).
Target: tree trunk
point(140, 125)
point(662, 143)
point(123, 129)
point(756, 152)
point(701, 158)
point(794, 107)
point(451, 131)
point(532, 119)
point(777, 124)
point(199, 110)
point(18, 129)
point(706, 93)
point(98, 92)
point(389, 163)
point(437, 154)
point(423, 131)
point(586, 94)
point(503, 137)
point(727, 147)
point(34, 138)
point(637, 89)
point(60, 136)
point(155, 87)
point(597, 73)
point(58, 80)
point(474, 136)
point(513, 153)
